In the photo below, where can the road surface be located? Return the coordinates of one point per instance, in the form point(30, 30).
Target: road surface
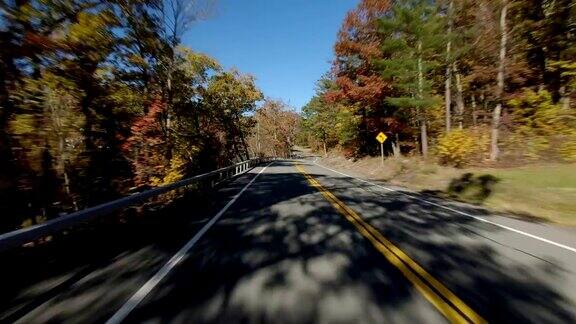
point(295, 242)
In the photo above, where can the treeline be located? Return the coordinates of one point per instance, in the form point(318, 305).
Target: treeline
point(465, 80)
point(98, 98)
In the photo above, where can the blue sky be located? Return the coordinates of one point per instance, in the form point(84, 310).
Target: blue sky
point(286, 44)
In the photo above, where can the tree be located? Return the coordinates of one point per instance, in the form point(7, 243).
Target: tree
point(494, 149)
point(411, 41)
point(448, 81)
point(356, 48)
point(146, 146)
point(96, 96)
point(48, 125)
point(357, 81)
point(318, 119)
point(277, 125)
point(228, 97)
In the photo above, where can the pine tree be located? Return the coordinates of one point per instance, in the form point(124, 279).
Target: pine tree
point(411, 44)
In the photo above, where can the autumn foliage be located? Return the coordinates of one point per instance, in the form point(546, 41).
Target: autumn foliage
point(451, 75)
point(358, 44)
point(99, 97)
point(146, 146)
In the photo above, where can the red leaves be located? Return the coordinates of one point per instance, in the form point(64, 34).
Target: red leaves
point(37, 43)
point(368, 89)
point(145, 147)
point(359, 32)
point(357, 46)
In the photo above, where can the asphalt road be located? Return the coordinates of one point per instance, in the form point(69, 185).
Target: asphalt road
point(295, 242)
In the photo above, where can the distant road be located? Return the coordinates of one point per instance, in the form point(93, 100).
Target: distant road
point(294, 242)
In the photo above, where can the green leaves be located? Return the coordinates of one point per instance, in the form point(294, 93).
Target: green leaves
point(411, 41)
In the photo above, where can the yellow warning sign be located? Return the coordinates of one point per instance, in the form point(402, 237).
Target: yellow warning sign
point(381, 137)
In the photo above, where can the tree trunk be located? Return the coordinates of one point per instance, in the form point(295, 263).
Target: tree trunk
point(169, 109)
point(424, 138)
point(494, 149)
point(484, 107)
point(564, 98)
point(396, 147)
point(258, 138)
point(325, 150)
point(474, 115)
point(423, 131)
point(448, 96)
point(448, 81)
point(459, 96)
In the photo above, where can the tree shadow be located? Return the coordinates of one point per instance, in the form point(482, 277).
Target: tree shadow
point(107, 258)
point(473, 188)
point(476, 189)
point(283, 254)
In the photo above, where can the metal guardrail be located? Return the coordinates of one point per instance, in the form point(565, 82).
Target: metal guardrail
point(29, 234)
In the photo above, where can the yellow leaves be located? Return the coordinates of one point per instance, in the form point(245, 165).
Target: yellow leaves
point(195, 64)
point(22, 124)
point(90, 25)
point(347, 124)
point(48, 116)
point(535, 112)
point(568, 149)
point(456, 147)
point(92, 31)
point(232, 90)
point(175, 172)
point(538, 123)
point(137, 60)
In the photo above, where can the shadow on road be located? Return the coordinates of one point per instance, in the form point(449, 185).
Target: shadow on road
point(284, 255)
point(86, 274)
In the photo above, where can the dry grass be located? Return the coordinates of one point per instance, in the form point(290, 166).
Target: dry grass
point(546, 191)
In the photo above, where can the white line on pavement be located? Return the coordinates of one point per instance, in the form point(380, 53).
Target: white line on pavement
point(139, 295)
point(569, 248)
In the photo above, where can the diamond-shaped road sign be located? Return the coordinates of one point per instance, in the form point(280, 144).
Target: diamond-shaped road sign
point(381, 137)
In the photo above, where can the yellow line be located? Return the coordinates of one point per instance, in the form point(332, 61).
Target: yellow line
point(456, 311)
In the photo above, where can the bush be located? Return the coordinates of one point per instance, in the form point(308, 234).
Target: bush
point(542, 128)
point(568, 150)
point(174, 173)
point(456, 147)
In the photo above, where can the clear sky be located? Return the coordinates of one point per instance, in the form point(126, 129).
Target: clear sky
point(286, 44)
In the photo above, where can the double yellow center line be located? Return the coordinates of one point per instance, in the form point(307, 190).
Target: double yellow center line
point(452, 307)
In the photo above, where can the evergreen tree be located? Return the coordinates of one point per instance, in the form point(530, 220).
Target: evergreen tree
point(411, 45)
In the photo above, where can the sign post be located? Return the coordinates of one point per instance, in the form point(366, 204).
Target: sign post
point(381, 137)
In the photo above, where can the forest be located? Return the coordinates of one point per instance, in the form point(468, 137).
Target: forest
point(461, 82)
point(99, 98)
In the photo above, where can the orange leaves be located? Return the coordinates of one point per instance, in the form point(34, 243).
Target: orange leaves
point(359, 32)
point(365, 50)
point(36, 42)
point(366, 88)
point(357, 46)
point(145, 147)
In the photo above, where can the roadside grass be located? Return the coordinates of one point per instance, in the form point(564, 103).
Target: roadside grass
point(536, 192)
point(547, 191)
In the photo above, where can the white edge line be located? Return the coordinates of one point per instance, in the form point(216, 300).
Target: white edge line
point(139, 295)
point(569, 248)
